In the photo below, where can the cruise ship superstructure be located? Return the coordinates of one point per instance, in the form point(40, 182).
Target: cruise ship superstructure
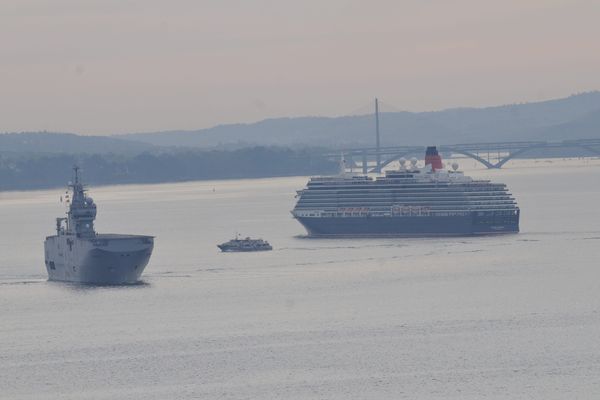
point(78, 254)
point(410, 201)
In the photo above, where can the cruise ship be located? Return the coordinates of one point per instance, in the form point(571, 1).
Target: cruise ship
point(410, 201)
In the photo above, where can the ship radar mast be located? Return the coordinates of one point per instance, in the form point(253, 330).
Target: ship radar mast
point(76, 171)
point(342, 165)
point(82, 209)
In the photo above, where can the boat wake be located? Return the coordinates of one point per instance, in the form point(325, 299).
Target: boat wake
point(23, 282)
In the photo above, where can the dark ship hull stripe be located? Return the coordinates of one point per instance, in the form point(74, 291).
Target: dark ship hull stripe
point(408, 226)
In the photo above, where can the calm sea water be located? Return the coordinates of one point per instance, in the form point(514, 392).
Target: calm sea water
point(496, 317)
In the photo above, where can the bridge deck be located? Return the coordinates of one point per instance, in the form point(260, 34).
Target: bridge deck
point(505, 151)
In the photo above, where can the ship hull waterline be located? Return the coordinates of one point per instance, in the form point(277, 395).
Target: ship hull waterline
point(404, 226)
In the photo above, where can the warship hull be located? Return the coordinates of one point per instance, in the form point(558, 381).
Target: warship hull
point(408, 226)
point(105, 259)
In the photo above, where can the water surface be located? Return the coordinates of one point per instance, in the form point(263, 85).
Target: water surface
point(510, 317)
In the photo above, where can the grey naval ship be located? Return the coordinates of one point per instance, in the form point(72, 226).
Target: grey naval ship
point(78, 254)
point(410, 201)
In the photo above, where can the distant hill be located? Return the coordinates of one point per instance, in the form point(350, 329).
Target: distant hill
point(567, 118)
point(49, 142)
point(281, 146)
point(585, 127)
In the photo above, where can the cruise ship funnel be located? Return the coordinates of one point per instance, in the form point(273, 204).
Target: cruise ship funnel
point(433, 158)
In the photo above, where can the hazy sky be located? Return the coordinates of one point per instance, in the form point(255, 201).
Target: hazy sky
point(111, 66)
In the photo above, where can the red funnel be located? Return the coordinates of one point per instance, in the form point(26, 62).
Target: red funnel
point(432, 157)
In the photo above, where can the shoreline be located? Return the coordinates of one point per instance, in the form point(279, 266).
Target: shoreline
point(465, 164)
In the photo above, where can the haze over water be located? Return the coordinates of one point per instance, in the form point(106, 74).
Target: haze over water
point(510, 317)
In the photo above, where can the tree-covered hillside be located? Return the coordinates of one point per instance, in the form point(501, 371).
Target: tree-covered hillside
point(32, 171)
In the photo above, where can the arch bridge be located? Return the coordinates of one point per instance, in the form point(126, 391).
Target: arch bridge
point(492, 155)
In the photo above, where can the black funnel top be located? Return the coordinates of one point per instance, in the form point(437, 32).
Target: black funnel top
point(431, 151)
